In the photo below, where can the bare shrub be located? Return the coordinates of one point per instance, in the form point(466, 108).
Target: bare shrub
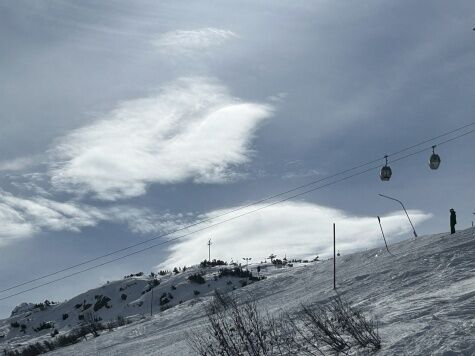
point(242, 329)
point(121, 321)
point(239, 329)
point(363, 331)
point(92, 325)
point(338, 326)
point(318, 327)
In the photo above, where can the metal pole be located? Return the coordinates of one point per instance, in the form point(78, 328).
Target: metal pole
point(334, 257)
point(400, 202)
point(209, 250)
point(151, 304)
point(384, 237)
point(247, 259)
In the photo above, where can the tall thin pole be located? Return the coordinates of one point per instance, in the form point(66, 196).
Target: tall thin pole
point(400, 202)
point(151, 304)
point(334, 257)
point(384, 237)
point(247, 259)
point(209, 250)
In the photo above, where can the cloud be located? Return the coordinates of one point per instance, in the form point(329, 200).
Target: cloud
point(191, 41)
point(297, 169)
point(301, 174)
point(25, 217)
point(192, 130)
point(14, 225)
point(18, 164)
point(144, 221)
point(295, 229)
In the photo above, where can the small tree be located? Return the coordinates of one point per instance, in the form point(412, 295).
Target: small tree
point(91, 324)
point(196, 278)
point(121, 321)
point(163, 299)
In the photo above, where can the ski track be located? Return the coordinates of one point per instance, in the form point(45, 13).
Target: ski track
point(423, 298)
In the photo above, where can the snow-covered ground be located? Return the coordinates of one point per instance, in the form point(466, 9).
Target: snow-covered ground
point(423, 298)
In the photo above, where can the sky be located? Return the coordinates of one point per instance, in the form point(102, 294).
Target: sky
point(123, 121)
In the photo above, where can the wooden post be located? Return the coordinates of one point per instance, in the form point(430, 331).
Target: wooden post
point(334, 258)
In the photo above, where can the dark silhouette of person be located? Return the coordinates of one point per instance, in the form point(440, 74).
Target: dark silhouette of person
point(453, 221)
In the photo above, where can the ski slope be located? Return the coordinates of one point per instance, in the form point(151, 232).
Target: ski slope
point(423, 298)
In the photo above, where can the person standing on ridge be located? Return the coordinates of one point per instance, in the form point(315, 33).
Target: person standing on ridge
point(453, 221)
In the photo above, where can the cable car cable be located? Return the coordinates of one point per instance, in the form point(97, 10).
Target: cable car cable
point(229, 219)
point(253, 203)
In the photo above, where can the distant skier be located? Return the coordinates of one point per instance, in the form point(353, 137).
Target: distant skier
point(453, 221)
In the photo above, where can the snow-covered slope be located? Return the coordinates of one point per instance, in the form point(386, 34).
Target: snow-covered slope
point(130, 298)
point(423, 298)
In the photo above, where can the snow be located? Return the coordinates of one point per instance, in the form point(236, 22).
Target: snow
point(22, 308)
point(423, 298)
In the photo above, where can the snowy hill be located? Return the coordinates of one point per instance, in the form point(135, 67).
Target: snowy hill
point(423, 298)
point(129, 299)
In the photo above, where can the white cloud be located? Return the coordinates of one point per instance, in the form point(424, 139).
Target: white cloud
point(31, 186)
point(192, 130)
point(191, 41)
point(144, 221)
point(14, 225)
point(25, 217)
point(295, 229)
point(19, 163)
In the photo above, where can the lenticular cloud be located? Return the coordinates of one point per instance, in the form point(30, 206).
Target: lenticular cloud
point(291, 229)
point(192, 130)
